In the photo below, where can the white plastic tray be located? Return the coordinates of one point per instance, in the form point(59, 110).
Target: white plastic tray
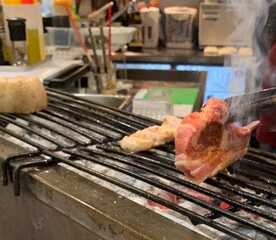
point(120, 36)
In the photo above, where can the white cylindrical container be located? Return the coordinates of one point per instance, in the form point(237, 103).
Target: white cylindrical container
point(151, 26)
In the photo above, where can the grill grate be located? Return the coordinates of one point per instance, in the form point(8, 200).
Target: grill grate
point(87, 124)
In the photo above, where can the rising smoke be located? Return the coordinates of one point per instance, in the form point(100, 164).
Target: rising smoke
point(251, 26)
point(252, 21)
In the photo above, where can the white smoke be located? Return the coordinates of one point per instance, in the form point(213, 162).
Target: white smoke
point(251, 17)
point(250, 20)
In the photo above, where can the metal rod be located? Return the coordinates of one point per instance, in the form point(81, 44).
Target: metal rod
point(240, 192)
point(75, 129)
point(56, 131)
point(100, 131)
point(97, 62)
point(244, 183)
point(262, 153)
point(88, 118)
point(93, 47)
point(139, 158)
point(115, 111)
point(105, 64)
point(8, 119)
point(97, 115)
point(112, 113)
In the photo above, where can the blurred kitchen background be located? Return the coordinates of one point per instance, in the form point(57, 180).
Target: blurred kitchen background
point(164, 56)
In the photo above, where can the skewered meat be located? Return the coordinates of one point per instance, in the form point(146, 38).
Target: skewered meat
point(151, 137)
point(22, 95)
point(205, 144)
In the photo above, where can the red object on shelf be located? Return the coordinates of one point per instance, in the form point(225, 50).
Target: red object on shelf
point(109, 33)
point(28, 1)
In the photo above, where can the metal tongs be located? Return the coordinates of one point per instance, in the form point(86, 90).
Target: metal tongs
point(250, 106)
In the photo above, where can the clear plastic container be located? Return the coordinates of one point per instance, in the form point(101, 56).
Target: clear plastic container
point(60, 37)
point(179, 26)
point(65, 37)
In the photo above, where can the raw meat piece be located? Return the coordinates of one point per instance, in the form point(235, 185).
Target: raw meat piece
point(151, 137)
point(205, 144)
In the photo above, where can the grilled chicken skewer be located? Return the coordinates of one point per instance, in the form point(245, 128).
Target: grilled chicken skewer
point(151, 137)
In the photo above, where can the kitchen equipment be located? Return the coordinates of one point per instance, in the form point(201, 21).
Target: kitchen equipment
point(114, 101)
point(17, 30)
point(151, 26)
point(179, 26)
point(98, 66)
point(68, 77)
point(31, 12)
point(219, 25)
point(98, 191)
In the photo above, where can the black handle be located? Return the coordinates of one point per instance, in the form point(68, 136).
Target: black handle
point(70, 76)
point(17, 29)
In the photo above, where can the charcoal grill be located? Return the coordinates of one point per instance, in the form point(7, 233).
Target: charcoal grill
point(75, 182)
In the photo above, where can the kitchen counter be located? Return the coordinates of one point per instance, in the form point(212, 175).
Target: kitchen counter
point(169, 56)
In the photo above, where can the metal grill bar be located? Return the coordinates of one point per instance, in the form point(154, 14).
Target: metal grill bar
point(8, 119)
point(230, 188)
point(56, 131)
point(263, 159)
point(116, 112)
point(100, 131)
point(184, 183)
point(260, 178)
point(176, 192)
point(139, 158)
point(194, 216)
point(92, 138)
point(162, 152)
point(100, 113)
point(262, 153)
point(87, 118)
point(99, 116)
point(242, 182)
point(168, 164)
point(23, 139)
point(264, 167)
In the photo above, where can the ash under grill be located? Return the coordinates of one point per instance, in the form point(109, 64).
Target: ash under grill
point(81, 135)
